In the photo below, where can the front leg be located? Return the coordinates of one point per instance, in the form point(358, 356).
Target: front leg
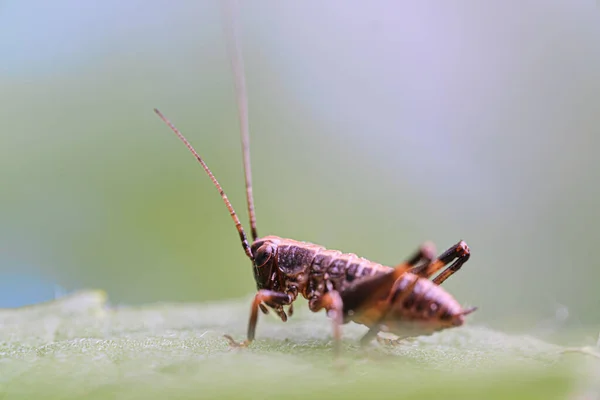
point(263, 296)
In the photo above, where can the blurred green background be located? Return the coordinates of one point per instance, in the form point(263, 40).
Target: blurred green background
point(374, 127)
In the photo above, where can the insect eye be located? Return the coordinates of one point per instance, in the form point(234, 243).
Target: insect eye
point(263, 255)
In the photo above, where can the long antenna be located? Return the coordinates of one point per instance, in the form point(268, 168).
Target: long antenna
point(237, 65)
point(236, 220)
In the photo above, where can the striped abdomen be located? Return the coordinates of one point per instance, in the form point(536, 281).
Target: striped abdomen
point(418, 307)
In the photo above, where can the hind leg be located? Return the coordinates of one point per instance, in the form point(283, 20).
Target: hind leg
point(424, 263)
point(459, 253)
point(394, 342)
point(455, 266)
point(375, 294)
point(422, 257)
point(396, 295)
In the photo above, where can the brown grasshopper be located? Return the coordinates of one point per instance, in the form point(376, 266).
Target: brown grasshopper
point(400, 300)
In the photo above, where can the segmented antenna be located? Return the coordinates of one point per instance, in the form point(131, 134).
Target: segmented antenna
point(237, 65)
point(236, 220)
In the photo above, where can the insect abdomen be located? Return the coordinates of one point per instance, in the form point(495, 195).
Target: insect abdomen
point(421, 308)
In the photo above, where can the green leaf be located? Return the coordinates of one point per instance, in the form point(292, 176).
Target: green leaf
point(78, 347)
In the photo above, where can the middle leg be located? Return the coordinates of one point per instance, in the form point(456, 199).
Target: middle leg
point(332, 303)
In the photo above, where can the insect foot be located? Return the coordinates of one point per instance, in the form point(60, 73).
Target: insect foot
point(235, 344)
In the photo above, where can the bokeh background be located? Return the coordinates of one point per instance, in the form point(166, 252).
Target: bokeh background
point(375, 126)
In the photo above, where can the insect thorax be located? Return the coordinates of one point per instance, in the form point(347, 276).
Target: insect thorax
point(313, 270)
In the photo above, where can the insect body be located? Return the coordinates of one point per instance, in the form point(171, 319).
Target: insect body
point(401, 300)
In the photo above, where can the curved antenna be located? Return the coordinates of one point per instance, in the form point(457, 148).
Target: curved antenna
point(237, 65)
point(236, 220)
